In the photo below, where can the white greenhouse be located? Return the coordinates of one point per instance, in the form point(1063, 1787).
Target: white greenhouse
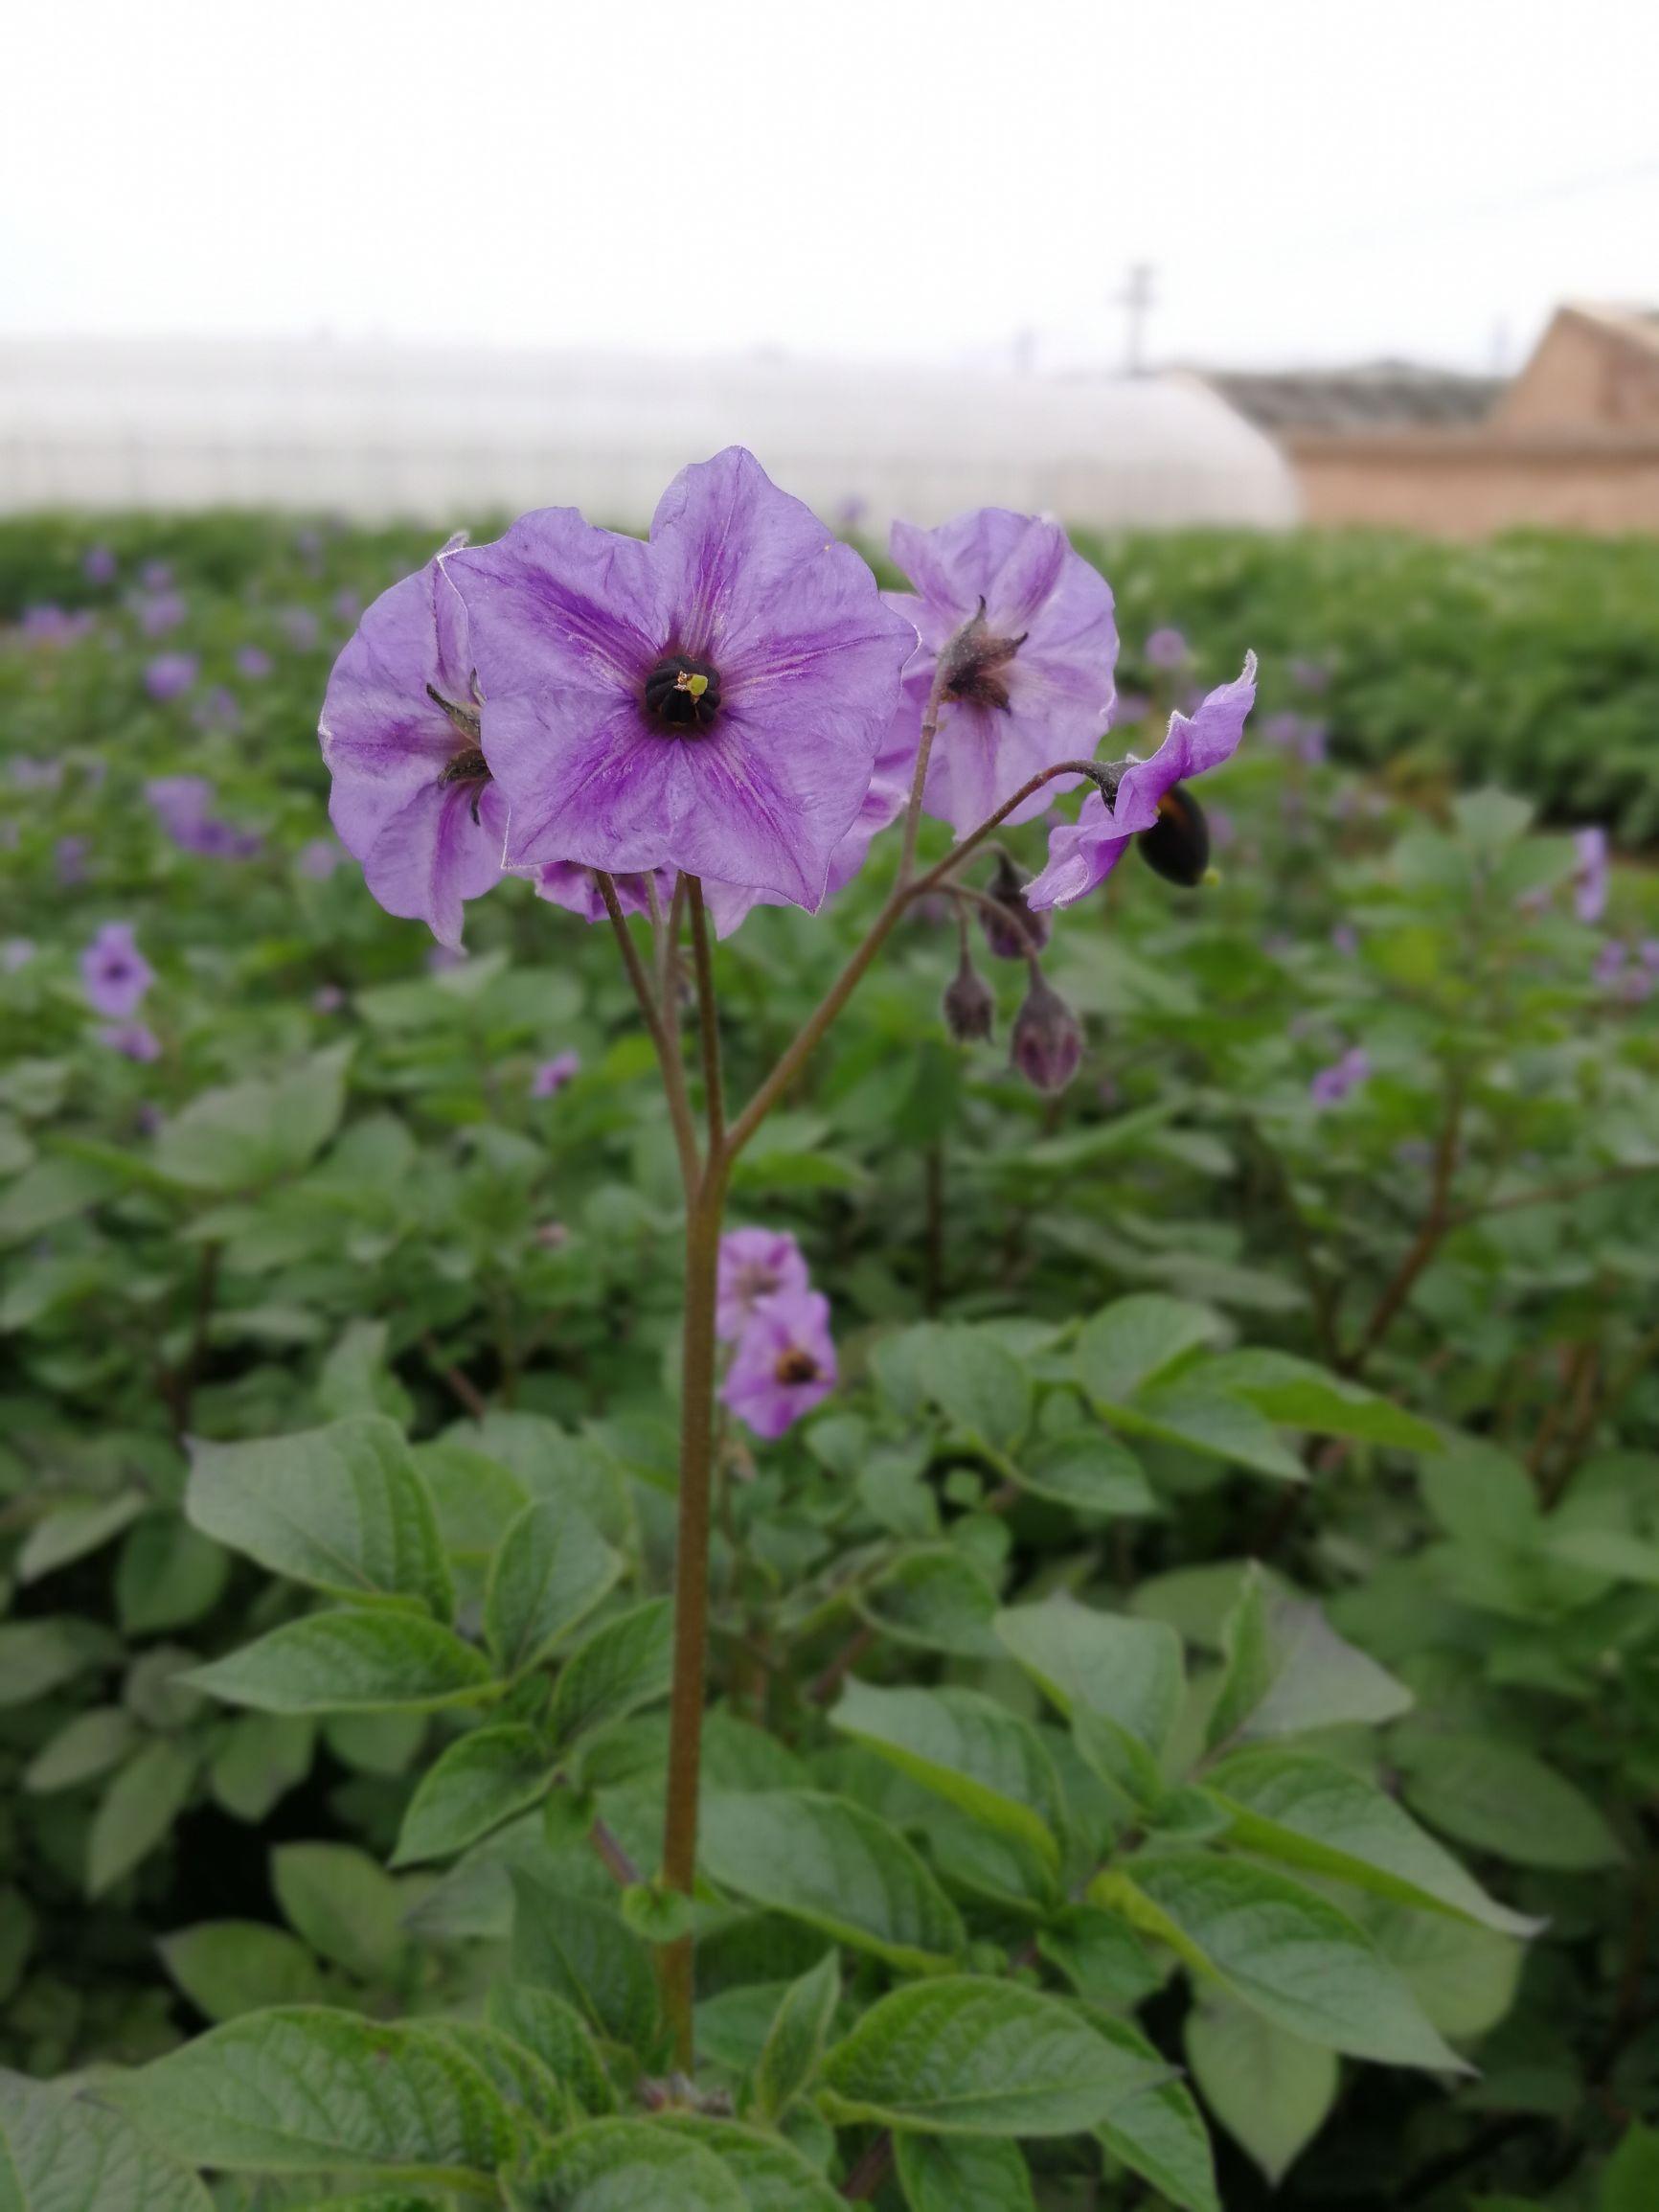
point(381, 430)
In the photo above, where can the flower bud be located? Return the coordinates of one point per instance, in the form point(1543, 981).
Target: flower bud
point(1047, 1043)
point(1023, 932)
point(970, 1003)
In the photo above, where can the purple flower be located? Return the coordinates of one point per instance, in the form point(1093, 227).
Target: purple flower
point(1333, 1084)
point(552, 1076)
point(1345, 939)
point(170, 675)
point(69, 858)
point(1031, 647)
point(132, 1040)
point(31, 775)
point(713, 700)
point(98, 566)
point(54, 626)
point(156, 575)
point(413, 797)
point(755, 1264)
point(327, 998)
point(301, 626)
point(114, 973)
point(160, 611)
point(1167, 649)
point(1647, 953)
point(348, 606)
point(318, 858)
point(1610, 961)
point(181, 805)
point(220, 710)
point(253, 661)
point(1591, 875)
point(1149, 799)
point(15, 952)
point(785, 1363)
point(561, 883)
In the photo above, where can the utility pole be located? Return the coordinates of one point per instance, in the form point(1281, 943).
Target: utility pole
point(1136, 299)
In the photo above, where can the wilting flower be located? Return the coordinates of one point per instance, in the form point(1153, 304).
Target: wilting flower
point(132, 1040)
point(1332, 1084)
point(712, 702)
point(552, 1076)
point(1151, 802)
point(1022, 627)
point(170, 675)
point(413, 797)
point(755, 1264)
point(99, 564)
point(253, 661)
point(1590, 875)
point(1046, 1042)
point(577, 890)
point(1167, 649)
point(114, 973)
point(785, 1363)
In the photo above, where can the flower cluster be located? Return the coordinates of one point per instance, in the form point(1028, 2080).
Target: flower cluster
point(782, 1359)
point(734, 700)
point(183, 807)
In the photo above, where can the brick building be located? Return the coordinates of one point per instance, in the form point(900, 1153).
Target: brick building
point(1572, 443)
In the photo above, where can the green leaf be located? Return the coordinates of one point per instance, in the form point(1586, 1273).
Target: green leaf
point(60, 2152)
point(345, 1906)
point(962, 2174)
point(478, 1782)
point(1128, 1670)
point(1312, 1812)
point(1480, 1495)
point(351, 1662)
point(169, 1575)
point(1465, 1977)
point(73, 1530)
point(627, 1663)
point(584, 1953)
point(976, 1382)
point(1288, 1671)
point(1104, 1961)
point(340, 1508)
point(549, 1570)
point(1300, 1395)
point(249, 1134)
point(625, 2166)
point(968, 1748)
point(138, 1809)
point(305, 2090)
point(50, 1192)
point(936, 1600)
point(1270, 2091)
point(230, 1966)
point(523, 2082)
point(1499, 1798)
point(1185, 1410)
point(1280, 1948)
point(772, 2175)
point(959, 2055)
point(828, 1862)
point(1159, 2132)
point(83, 1749)
point(40, 1655)
point(260, 1758)
point(1088, 1470)
point(796, 2038)
point(1135, 1339)
point(549, 2026)
point(1630, 2179)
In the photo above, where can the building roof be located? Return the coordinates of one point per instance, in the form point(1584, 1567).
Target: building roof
point(1372, 396)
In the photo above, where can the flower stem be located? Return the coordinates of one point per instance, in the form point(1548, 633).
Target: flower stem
point(918, 782)
point(708, 1027)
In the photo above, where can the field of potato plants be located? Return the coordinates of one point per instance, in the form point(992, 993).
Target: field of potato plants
point(813, 1499)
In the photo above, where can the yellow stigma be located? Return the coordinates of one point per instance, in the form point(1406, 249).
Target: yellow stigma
point(1212, 876)
point(696, 685)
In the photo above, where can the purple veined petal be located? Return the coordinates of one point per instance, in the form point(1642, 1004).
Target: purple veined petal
point(431, 857)
point(1192, 746)
point(587, 780)
point(1082, 856)
point(576, 889)
point(557, 602)
point(755, 1264)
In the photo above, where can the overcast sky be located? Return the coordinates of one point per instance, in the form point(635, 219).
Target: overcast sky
point(1311, 182)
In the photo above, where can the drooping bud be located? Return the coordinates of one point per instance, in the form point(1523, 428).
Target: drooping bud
point(1047, 1042)
point(970, 1003)
point(1014, 932)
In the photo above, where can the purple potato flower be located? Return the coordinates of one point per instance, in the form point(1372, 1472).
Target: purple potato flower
point(132, 1040)
point(156, 575)
point(413, 797)
point(15, 952)
point(1167, 649)
point(1591, 876)
point(252, 662)
point(69, 858)
point(318, 858)
point(160, 611)
point(785, 1363)
point(54, 626)
point(170, 675)
point(1032, 645)
point(713, 700)
point(1046, 1043)
point(755, 1264)
point(1332, 1084)
point(99, 565)
point(182, 803)
point(552, 1076)
point(114, 973)
point(301, 626)
point(1082, 854)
